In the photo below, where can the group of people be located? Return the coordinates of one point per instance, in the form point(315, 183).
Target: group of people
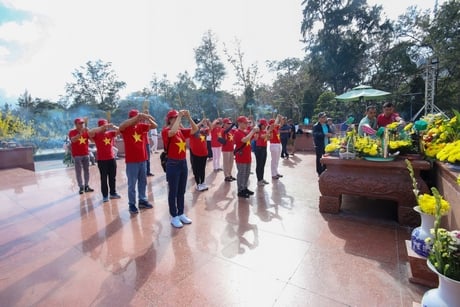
point(230, 143)
point(323, 129)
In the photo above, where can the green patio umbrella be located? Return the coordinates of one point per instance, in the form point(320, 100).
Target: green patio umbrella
point(362, 93)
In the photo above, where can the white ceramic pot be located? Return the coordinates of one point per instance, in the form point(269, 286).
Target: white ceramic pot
point(419, 234)
point(447, 294)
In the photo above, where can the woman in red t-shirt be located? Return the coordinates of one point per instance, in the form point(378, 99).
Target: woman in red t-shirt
point(275, 145)
point(174, 136)
point(227, 149)
point(103, 136)
point(199, 154)
point(261, 151)
point(216, 145)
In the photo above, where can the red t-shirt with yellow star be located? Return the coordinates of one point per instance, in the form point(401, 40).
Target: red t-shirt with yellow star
point(177, 148)
point(216, 133)
point(275, 135)
point(135, 150)
point(104, 144)
point(229, 145)
point(243, 155)
point(198, 145)
point(80, 146)
point(261, 139)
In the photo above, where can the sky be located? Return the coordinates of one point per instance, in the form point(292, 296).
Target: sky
point(42, 42)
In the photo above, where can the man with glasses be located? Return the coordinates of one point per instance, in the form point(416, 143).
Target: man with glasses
point(388, 116)
point(368, 124)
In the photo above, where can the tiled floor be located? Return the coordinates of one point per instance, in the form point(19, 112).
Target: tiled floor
point(58, 248)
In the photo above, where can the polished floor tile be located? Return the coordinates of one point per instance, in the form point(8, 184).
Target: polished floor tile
point(274, 249)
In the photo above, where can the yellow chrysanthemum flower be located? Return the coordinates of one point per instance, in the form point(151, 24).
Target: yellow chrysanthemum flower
point(427, 204)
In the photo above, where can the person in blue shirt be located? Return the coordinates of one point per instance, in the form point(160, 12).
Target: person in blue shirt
point(321, 135)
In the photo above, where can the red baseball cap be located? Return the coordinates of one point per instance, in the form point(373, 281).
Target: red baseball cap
point(172, 114)
point(227, 120)
point(133, 113)
point(242, 119)
point(263, 121)
point(79, 121)
point(102, 122)
point(271, 121)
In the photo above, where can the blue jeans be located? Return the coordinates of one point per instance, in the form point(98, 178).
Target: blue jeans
point(176, 174)
point(136, 173)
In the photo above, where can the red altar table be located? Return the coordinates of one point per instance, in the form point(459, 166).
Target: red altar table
point(379, 180)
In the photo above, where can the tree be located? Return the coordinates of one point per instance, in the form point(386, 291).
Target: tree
point(96, 84)
point(289, 86)
point(210, 70)
point(341, 38)
point(246, 77)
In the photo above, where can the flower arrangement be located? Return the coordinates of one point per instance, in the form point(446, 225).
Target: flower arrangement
point(445, 251)
point(426, 202)
point(441, 140)
point(367, 146)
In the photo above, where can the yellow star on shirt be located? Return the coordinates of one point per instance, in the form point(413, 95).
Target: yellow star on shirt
point(106, 141)
point(202, 138)
point(137, 137)
point(82, 140)
point(181, 146)
point(248, 143)
point(230, 137)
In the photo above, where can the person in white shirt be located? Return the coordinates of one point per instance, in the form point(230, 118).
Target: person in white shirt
point(154, 137)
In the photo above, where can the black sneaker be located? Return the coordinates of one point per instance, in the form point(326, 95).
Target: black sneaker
point(133, 209)
point(249, 192)
point(228, 179)
point(115, 196)
point(88, 189)
point(243, 194)
point(145, 205)
point(81, 191)
point(150, 175)
point(233, 178)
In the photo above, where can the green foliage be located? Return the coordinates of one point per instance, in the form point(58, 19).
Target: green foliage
point(210, 70)
point(95, 84)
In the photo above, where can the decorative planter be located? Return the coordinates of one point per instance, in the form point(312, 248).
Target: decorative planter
point(422, 232)
point(447, 294)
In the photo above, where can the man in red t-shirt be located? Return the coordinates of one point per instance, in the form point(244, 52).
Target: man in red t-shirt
point(103, 136)
point(388, 116)
point(243, 155)
point(227, 149)
point(79, 139)
point(132, 131)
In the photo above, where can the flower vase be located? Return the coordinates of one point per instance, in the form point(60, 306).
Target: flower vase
point(422, 232)
point(445, 295)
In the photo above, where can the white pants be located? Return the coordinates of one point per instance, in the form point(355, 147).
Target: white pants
point(216, 154)
point(154, 143)
point(275, 152)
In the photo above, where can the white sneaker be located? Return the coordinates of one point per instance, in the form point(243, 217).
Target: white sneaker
point(260, 183)
point(204, 187)
point(198, 187)
point(184, 219)
point(175, 221)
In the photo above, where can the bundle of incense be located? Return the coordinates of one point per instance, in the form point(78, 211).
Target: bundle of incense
point(85, 119)
point(108, 116)
point(146, 106)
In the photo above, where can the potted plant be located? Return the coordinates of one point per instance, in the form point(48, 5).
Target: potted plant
point(444, 260)
point(426, 207)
